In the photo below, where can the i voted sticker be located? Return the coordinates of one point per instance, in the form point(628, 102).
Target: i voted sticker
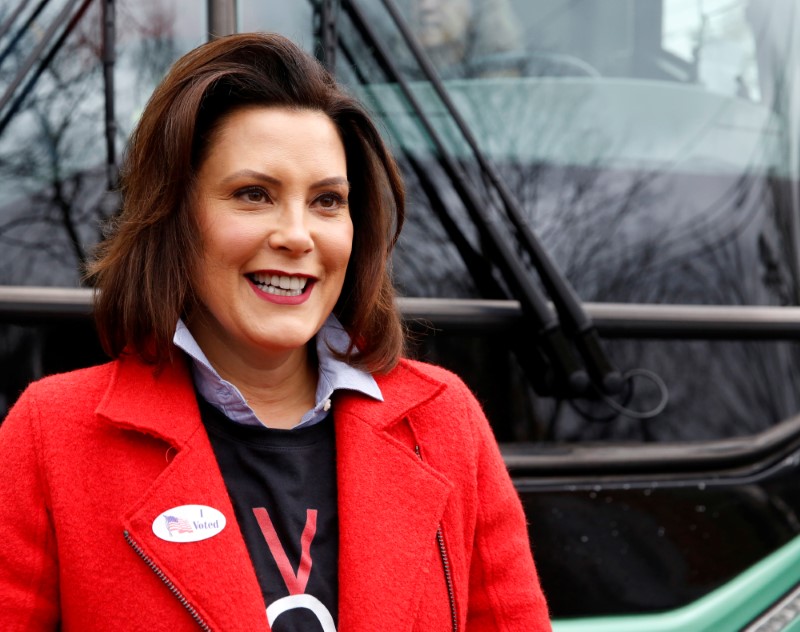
point(188, 523)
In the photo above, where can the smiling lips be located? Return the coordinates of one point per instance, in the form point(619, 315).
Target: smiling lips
point(281, 288)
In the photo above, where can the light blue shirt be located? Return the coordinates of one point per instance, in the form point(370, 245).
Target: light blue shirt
point(333, 375)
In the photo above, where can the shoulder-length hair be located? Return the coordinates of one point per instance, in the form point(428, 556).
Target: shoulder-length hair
point(145, 269)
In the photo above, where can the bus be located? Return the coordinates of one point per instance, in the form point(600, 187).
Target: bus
point(602, 238)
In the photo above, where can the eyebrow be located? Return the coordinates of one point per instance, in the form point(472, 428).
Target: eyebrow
point(257, 175)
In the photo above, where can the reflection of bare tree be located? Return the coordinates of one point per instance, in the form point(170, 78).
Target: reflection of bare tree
point(674, 235)
point(634, 248)
point(52, 154)
point(53, 196)
point(153, 27)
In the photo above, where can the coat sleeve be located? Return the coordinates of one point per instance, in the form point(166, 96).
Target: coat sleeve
point(505, 594)
point(28, 561)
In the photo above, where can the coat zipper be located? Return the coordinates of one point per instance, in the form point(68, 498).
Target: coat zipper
point(167, 582)
point(448, 576)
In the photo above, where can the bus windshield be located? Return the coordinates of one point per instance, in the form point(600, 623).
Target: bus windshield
point(652, 144)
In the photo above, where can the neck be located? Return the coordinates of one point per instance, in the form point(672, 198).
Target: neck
point(282, 395)
point(280, 391)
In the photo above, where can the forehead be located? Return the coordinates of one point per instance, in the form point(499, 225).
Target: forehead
point(273, 134)
point(274, 121)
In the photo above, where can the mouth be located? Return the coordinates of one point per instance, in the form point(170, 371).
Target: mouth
point(279, 285)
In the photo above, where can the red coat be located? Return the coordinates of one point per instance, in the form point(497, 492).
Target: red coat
point(87, 456)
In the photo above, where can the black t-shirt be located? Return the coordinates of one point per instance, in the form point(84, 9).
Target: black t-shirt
point(283, 487)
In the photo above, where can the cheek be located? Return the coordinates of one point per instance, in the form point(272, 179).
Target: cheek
point(226, 242)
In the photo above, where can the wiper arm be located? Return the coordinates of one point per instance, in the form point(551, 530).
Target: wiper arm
point(45, 60)
point(326, 35)
point(6, 26)
point(567, 304)
point(110, 120)
point(533, 302)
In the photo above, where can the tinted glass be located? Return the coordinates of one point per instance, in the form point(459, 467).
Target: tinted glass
point(53, 176)
point(645, 141)
point(54, 180)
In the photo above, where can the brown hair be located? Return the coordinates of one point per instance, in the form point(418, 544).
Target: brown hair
point(144, 269)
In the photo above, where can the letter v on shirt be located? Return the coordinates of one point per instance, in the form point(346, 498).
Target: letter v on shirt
point(295, 582)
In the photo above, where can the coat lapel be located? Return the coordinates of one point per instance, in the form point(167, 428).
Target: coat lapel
point(390, 502)
point(390, 507)
point(225, 594)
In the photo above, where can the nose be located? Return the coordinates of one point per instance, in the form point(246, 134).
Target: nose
point(291, 233)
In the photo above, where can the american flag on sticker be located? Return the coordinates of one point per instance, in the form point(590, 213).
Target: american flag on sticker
point(178, 525)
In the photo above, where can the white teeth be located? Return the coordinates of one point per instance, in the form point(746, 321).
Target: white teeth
point(270, 289)
point(280, 285)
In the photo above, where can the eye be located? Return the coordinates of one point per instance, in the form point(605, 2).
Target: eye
point(255, 195)
point(330, 201)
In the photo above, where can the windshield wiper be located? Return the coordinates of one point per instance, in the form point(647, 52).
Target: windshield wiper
point(536, 366)
point(325, 28)
point(14, 96)
point(6, 26)
point(547, 330)
point(573, 317)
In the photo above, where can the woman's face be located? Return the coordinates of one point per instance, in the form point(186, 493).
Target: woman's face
point(272, 207)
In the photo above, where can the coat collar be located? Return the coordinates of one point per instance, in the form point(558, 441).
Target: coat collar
point(161, 401)
point(157, 401)
point(391, 503)
point(405, 388)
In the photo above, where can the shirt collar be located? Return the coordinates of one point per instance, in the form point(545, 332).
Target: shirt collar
point(334, 374)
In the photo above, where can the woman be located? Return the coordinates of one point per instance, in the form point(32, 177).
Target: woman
point(165, 490)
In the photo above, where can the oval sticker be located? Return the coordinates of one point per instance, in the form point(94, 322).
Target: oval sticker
point(188, 523)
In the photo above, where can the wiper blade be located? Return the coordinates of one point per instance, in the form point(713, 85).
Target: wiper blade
point(326, 35)
point(6, 26)
point(574, 318)
point(534, 304)
point(27, 67)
